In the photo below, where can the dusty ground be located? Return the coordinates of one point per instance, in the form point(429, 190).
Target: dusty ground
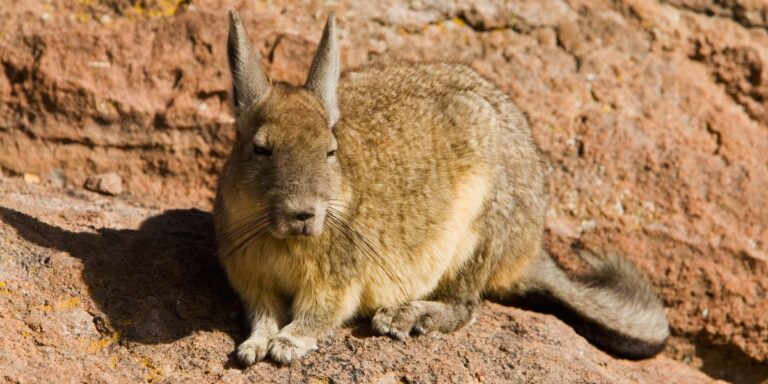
point(652, 116)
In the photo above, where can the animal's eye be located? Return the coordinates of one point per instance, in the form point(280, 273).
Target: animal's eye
point(261, 151)
point(331, 153)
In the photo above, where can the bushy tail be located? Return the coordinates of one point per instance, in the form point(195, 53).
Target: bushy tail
point(614, 306)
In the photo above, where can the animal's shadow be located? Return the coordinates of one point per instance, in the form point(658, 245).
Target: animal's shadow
point(156, 284)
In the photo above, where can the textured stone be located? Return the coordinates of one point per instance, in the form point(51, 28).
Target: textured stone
point(142, 299)
point(107, 183)
point(651, 116)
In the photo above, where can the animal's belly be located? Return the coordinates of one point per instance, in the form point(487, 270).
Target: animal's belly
point(415, 273)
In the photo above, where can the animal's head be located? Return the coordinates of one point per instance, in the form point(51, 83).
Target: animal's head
point(286, 149)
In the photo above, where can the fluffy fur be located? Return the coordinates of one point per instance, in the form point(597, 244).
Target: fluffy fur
point(425, 194)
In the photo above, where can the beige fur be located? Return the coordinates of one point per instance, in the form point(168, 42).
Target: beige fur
point(424, 195)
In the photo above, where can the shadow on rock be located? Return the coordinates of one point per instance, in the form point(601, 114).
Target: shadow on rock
point(156, 284)
point(729, 363)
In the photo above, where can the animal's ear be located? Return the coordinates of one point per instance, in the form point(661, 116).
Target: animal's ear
point(249, 84)
point(323, 78)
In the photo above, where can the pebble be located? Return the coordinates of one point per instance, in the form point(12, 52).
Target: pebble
point(105, 183)
point(31, 178)
point(57, 178)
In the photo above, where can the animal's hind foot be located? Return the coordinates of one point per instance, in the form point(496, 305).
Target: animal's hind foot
point(420, 317)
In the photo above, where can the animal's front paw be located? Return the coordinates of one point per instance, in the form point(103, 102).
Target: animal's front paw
point(285, 348)
point(252, 350)
point(397, 321)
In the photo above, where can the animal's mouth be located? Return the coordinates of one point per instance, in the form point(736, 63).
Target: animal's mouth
point(304, 231)
point(303, 224)
point(307, 231)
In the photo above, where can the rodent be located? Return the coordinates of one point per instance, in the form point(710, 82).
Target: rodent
point(404, 192)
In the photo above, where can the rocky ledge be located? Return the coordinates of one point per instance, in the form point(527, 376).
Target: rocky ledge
point(97, 289)
point(651, 114)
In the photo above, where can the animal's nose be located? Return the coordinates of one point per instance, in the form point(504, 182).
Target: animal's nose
point(304, 215)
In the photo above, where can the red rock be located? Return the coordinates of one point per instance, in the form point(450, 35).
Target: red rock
point(654, 107)
point(143, 299)
point(106, 183)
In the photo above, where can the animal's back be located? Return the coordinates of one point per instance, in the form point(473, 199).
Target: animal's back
point(438, 159)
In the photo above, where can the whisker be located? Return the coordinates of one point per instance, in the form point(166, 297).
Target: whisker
point(258, 221)
point(245, 240)
point(244, 230)
point(241, 226)
point(250, 208)
point(256, 233)
point(370, 251)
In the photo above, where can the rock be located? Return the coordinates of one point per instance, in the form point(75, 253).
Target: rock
point(651, 116)
point(144, 299)
point(31, 178)
point(105, 183)
point(57, 178)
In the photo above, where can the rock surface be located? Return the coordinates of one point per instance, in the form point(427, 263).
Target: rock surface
point(652, 116)
point(98, 289)
point(106, 183)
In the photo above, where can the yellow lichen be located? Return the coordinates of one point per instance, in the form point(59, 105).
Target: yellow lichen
point(60, 305)
point(648, 25)
point(104, 342)
point(155, 374)
point(82, 17)
point(45, 307)
point(153, 9)
point(68, 303)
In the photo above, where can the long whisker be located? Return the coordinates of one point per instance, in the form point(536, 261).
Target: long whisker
point(258, 207)
point(244, 231)
point(241, 225)
point(359, 240)
point(257, 232)
point(258, 221)
point(245, 226)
